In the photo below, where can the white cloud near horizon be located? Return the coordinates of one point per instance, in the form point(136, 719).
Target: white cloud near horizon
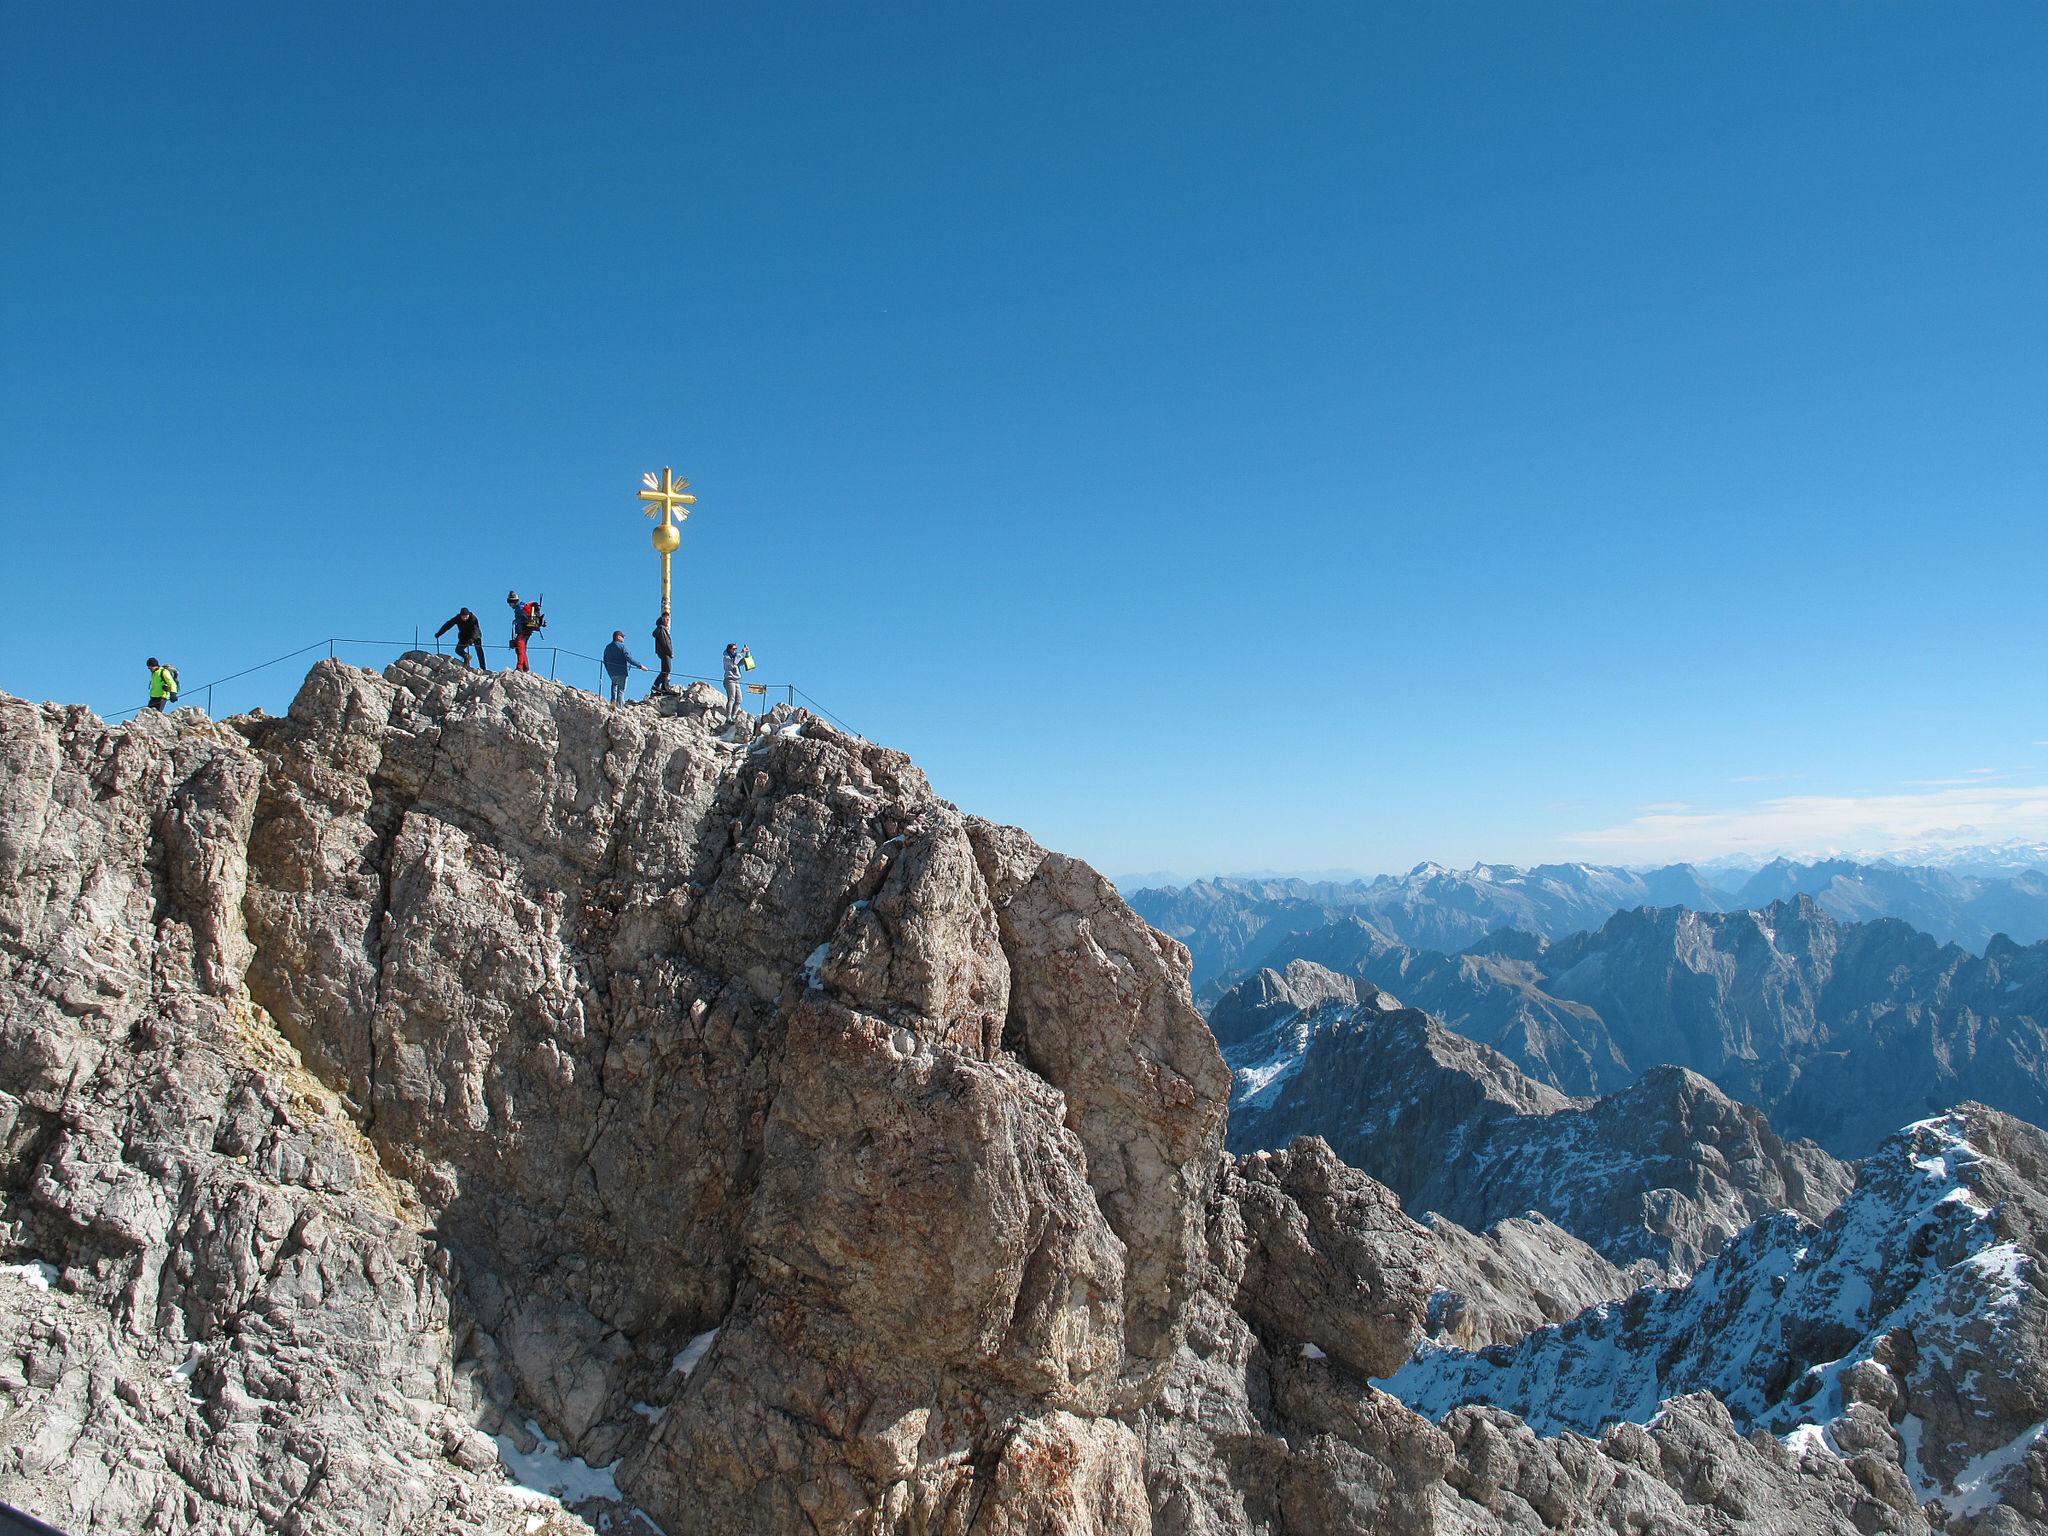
point(1963, 812)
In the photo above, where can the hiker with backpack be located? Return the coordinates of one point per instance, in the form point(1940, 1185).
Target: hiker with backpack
point(737, 659)
point(163, 685)
point(616, 659)
point(469, 631)
point(665, 653)
point(527, 621)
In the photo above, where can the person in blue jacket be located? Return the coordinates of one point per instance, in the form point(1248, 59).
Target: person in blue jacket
point(616, 660)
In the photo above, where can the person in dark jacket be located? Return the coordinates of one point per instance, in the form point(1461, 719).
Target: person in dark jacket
point(469, 631)
point(664, 652)
point(616, 659)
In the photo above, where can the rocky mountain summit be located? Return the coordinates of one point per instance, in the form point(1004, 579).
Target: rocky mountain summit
point(461, 1105)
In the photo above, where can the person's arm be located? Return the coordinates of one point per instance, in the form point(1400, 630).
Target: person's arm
point(444, 629)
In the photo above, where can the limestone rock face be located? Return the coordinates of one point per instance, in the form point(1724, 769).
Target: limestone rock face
point(460, 1080)
point(571, 1034)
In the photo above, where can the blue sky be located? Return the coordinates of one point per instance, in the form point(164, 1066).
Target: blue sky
point(1209, 436)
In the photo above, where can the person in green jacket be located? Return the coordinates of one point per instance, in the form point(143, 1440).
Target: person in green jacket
point(163, 685)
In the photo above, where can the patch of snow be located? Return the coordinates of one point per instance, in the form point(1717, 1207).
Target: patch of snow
point(815, 964)
point(650, 1413)
point(693, 1353)
point(2002, 1267)
point(545, 1476)
point(37, 1274)
point(1974, 1493)
point(1811, 1440)
point(1310, 1352)
point(184, 1372)
point(1910, 1431)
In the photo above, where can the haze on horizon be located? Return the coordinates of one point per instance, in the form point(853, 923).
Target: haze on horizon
point(1213, 439)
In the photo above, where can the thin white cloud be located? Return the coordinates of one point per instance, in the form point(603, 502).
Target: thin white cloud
point(1967, 776)
point(1663, 806)
point(1763, 778)
point(1956, 815)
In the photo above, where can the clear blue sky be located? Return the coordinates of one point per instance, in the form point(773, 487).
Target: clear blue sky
point(1211, 436)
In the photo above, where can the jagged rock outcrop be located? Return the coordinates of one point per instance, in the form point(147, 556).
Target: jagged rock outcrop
point(1522, 1273)
point(1656, 1177)
point(605, 1034)
point(1269, 1423)
point(459, 1077)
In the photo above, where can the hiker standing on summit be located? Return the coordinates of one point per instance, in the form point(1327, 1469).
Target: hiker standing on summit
point(664, 652)
point(527, 622)
point(163, 685)
point(469, 631)
point(736, 657)
point(616, 659)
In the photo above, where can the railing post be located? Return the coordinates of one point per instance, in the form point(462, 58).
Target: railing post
point(330, 650)
point(209, 699)
point(792, 695)
point(554, 656)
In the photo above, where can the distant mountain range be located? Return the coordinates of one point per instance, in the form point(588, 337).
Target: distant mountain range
point(1231, 925)
point(1841, 1031)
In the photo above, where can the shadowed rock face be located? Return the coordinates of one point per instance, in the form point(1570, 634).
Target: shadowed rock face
point(459, 1057)
point(1656, 1177)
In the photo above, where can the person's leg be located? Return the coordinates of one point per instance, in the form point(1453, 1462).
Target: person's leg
point(157, 705)
point(519, 647)
point(483, 663)
point(732, 703)
point(661, 678)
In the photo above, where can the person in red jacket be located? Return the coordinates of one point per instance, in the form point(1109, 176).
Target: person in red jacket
point(527, 621)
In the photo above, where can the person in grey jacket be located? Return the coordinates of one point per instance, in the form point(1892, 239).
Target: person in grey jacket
point(735, 658)
point(616, 659)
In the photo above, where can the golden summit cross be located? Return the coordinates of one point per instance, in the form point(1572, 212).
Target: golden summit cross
point(665, 499)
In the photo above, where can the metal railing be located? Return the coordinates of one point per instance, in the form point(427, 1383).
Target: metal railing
point(202, 694)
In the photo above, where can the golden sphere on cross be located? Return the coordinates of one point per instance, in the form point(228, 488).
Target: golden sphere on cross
point(668, 538)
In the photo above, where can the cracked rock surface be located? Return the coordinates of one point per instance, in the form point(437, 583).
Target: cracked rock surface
point(459, 1074)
